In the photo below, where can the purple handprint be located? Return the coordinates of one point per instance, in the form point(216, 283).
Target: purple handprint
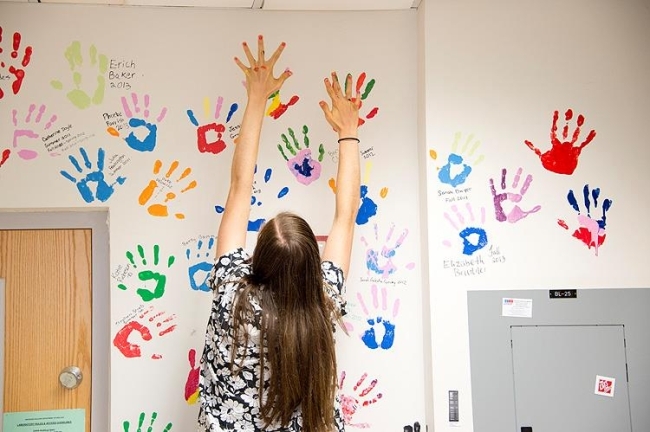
point(516, 214)
point(29, 127)
point(302, 166)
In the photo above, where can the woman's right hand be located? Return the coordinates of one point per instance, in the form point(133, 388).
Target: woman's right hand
point(343, 115)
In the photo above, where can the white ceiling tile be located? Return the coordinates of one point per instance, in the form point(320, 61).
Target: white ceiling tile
point(337, 4)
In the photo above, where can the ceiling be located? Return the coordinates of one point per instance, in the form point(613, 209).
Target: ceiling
point(293, 5)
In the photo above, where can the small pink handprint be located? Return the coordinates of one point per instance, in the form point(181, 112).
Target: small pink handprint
point(17, 71)
point(359, 398)
point(562, 157)
point(516, 213)
point(162, 322)
point(30, 126)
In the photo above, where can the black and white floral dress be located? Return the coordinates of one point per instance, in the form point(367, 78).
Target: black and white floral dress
point(231, 402)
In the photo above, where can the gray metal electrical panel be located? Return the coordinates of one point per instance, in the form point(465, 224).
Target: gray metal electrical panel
point(568, 362)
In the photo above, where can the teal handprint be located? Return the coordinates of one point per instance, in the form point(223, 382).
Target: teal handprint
point(301, 165)
point(154, 416)
point(80, 98)
point(147, 275)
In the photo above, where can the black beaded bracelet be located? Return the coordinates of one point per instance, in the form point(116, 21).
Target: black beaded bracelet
point(349, 139)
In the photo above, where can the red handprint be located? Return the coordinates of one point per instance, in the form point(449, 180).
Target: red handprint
point(18, 71)
point(4, 156)
point(562, 157)
point(350, 403)
point(192, 383)
point(130, 349)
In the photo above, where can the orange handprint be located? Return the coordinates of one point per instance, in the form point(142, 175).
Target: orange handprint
point(157, 185)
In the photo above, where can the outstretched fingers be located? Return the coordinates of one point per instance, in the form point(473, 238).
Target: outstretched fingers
point(276, 55)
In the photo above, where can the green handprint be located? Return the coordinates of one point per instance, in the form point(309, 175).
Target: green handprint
point(154, 415)
point(301, 165)
point(149, 275)
point(78, 97)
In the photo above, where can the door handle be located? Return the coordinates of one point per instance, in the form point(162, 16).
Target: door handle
point(70, 377)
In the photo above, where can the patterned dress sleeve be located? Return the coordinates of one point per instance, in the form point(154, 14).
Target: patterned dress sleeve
point(335, 285)
point(225, 268)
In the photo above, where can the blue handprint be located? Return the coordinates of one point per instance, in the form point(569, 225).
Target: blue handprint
point(378, 317)
point(474, 237)
point(256, 224)
point(368, 207)
point(148, 142)
point(457, 169)
point(199, 271)
point(103, 191)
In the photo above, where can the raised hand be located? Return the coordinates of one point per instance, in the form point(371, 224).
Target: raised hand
point(259, 74)
point(343, 115)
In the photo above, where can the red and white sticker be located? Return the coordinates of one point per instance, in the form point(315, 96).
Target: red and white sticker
point(605, 386)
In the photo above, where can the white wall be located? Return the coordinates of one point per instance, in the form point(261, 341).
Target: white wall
point(498, 70)
point(179, 57)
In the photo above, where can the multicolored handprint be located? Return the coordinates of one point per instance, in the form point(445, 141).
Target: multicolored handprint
point(144, 132)
point(301, 164)
point(460, 162)
point(381, 252)
point(210, 133)
point(470, 228)
point(591, 229)
point(380, 332)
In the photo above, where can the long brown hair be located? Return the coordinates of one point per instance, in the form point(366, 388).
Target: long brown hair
point(296, 336)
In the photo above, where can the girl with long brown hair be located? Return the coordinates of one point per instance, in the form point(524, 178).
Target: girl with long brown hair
point(269, 362)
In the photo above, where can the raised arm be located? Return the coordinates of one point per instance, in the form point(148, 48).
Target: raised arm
point(260, 84)
point(343, 116)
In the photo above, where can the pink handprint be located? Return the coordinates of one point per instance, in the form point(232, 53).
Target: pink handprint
point(516, 214)
point(163, 323)
point(379, 258)
point(17, 72)
point(562, 157)
point(380, 319)
point(302, 166)
point(351, 402)
point(30, 128)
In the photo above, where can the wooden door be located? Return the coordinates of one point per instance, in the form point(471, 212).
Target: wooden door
point(48, 310)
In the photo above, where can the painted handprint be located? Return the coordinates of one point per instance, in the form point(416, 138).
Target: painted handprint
point(30, 126)
point(364, 93)
point(141, 426)
point(157, 185)
point(149, 324)
point(368, 207)
point(301, 164)
point(277, 107)
point(591, 231)
point(459, 167)
point(200, 264)
point(149, 274)
point(379, 318)
point(380, 254)
point(143, 135)
point(4, 156)
point(192, 383)
point(15, 64)
point(470, 231)
point(98, 66)
point(562, 157)
point(88, 175)
point(254, 225)
point(357, 398)
point(515, 196)
point(209, 135)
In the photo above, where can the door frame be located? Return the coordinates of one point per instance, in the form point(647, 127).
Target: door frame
point(97, 221)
